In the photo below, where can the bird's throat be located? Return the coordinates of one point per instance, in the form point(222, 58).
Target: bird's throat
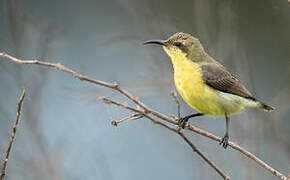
point(180, 61)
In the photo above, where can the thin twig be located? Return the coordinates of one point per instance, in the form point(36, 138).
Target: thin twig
point(148, 110)
point(133, 116)
point(240, 149)
point(7, 153)
point(113, 86)
point(176, 130)
point(202, 155)
point(174, 95)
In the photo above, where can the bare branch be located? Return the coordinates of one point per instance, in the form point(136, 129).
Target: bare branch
point(7, 153)
point(176, 130)
point(146, 109)
point(226, 177)
point(133, 116)
point(240, 149)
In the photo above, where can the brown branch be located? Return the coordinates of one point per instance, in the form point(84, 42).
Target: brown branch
point(146, 109)
point(133, 116)
point(176, 130)
point(240, 149)
point(7, 153)
point(114, 86)
point(203, 157)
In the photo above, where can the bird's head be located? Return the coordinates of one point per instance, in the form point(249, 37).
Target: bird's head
point(181, 44)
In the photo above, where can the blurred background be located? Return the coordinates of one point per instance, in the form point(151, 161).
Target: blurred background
point(65, 132)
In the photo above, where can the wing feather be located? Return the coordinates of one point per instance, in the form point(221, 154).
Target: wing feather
point(217, 77)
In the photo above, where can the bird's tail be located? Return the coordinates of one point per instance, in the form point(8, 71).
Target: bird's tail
point(266, 107)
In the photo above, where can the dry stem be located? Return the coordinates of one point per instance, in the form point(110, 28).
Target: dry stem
point(146, 109)
point(133, 116)
point(7, 153)
point(176, 130)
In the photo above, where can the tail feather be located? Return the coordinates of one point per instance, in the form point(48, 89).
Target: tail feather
point(266, 107)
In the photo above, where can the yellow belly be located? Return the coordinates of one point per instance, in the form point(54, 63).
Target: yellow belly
point(190, 85)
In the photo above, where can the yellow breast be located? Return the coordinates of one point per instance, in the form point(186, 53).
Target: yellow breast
point(191, 86)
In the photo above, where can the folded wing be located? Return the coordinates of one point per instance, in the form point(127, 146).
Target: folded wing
point(217, 77)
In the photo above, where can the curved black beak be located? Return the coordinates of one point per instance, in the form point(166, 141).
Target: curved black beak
point(156, 41)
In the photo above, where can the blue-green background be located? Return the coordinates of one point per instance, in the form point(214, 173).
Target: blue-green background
point(65, 131)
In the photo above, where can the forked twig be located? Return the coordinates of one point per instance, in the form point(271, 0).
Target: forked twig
point(176, 130)
point(146, 110)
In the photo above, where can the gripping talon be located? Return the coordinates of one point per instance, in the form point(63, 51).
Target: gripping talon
point(225, 141)
point(182, 122)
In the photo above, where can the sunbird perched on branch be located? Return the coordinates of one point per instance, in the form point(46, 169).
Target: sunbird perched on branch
point(204, 83)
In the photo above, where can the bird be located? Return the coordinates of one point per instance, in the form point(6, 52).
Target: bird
point(204, 83)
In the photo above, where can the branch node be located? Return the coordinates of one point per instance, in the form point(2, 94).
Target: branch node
point(146, 111)
point(3, 53)
point(174, 117)
point(115, 85)
point(105, 100)
point(178, 129)
point(114, 123)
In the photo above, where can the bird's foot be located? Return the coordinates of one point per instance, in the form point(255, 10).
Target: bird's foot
point(182, 122)
point(225, 141)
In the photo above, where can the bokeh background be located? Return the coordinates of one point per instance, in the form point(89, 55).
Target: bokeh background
point(65, 131)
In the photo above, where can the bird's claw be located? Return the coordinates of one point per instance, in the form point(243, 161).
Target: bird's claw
point(225, 141)
point(182, 122)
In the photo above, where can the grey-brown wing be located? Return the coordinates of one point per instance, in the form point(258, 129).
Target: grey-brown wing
point(217, 77)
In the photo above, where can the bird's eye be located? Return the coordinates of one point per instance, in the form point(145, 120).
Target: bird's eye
point(177, 44)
